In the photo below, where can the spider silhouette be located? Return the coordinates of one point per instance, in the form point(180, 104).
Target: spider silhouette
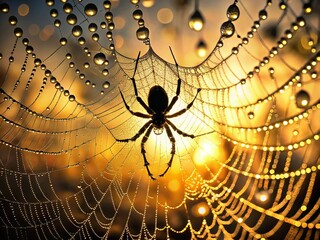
point(158, 112)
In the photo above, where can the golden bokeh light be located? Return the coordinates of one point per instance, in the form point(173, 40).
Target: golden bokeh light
point(23, 10)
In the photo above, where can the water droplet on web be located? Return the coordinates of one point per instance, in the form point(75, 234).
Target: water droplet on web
point(137, 14)
point(50, 2)
point(227, 29)
point(77, 31)
point(302, 99)
point(72, 98)
point(29, 49)
point(250, 115)
point(67, 8)
point(263, 15)
point(72, 19)
point(90, 9)
point(95, 37)
point(108, 16)
point(142, 33)
point(233, 12)
point(105, 72)
point(99, 59)
point(106, 84)
point(13, 20)
point(4, 7)
point(107, 4)
point(54, 13)
point(18, 32)
point(92, 27)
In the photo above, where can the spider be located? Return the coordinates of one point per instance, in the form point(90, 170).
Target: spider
point(158, 112)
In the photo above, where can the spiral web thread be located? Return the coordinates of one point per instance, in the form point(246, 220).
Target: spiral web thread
point(252, 174)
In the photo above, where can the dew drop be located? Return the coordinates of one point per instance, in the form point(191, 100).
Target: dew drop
point(111, 26)
point(107, 4)
point(235, 50)
point(72, 98)
point(29, 49)
point(66, 93)
point(282, 5)
point(302, 99)
point(37, 62)
point(99, 59)
point(109, 34)
point(105, 72)
point(18, 32)
point(81, 41)
point(57, 23)
point(50, 2)
point(137, 14)
point(142, 33)
point(90, 9)
point(263, 15)
point(13, 20)
point(95, 37)
point(250, 115)
point(54, 13)
point(53, 80)
point(103, 25)
point(92, 27)
point(108, 16)
point(4, 7)
point(77, 31)
point(67, 8)
point(196, 21)
point(72, 19)
point(86, 65)
point(307, 7)
point(25, 41)
point(227, 29)
point(301, 21)
point(106, 85)
point(63, 41)
point(141, 22)
point(233, 12)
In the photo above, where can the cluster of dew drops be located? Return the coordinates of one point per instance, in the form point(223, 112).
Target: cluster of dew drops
point(99, 58)
point(227, 30)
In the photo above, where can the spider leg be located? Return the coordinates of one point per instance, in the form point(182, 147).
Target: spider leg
point(139, 99)
point(138, 114)
point(141, 131)
point(179, 131)
point(143, 151)
point(175, 98)
point(173, 148)
point(185, 109)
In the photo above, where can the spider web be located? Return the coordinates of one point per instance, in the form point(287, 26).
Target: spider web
point(252, 174)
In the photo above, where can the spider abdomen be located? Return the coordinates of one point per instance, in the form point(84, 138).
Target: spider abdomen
point(158, 99)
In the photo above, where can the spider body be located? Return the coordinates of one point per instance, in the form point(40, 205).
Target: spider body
point(158, 102)
point(158, 112)
point(158, 99)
